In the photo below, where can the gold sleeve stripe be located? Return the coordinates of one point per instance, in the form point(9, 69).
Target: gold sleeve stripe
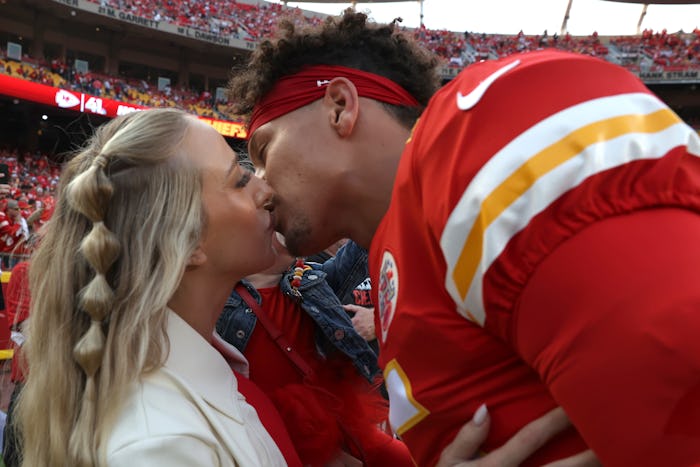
point(485, 218)
point(525, 177)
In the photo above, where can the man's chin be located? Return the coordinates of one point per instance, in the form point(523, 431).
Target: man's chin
point(301, 245)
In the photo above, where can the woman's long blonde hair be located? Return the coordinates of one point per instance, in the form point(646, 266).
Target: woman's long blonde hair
point(127, 218)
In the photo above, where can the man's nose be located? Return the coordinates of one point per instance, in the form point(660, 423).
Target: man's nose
point(264, 194)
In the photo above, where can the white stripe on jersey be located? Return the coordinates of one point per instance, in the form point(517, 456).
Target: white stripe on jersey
point(522, 179)
point(404, 411)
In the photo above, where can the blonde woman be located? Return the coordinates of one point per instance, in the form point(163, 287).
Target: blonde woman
point(154, 222)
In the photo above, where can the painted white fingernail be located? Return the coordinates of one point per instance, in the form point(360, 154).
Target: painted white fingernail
point(480, 415)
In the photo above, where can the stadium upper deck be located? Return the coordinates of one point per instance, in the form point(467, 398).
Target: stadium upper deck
point(240, 24)
point(129, 44)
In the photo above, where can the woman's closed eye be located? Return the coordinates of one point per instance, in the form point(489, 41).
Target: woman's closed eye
point(244, 179)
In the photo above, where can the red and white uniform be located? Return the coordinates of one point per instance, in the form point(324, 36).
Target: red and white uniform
point(11, 233)
point(541, 249)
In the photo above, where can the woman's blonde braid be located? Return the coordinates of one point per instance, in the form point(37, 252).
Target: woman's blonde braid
point(89, 194)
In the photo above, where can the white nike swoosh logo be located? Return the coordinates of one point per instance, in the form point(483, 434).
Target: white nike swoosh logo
point(471, 99)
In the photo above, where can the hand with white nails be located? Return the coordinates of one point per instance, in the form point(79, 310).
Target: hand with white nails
point(463, 449)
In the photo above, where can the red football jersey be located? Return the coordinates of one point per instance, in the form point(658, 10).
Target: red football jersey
point(539, 250)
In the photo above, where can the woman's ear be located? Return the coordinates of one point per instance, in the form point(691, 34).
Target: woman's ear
point(342, 102)
point(197, 258)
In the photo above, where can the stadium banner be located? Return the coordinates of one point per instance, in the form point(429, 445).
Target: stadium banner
point(234, 40)
point(81, 102)
point(226, 128)
point(671, 76)
point(63, 98)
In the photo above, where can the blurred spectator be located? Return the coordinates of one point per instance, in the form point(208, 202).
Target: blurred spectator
point(32, 182)
point(13, 233)
point(17, 303)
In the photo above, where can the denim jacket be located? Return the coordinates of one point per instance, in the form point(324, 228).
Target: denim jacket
point(320, 287)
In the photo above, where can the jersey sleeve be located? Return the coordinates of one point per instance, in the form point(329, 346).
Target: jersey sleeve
point(518, 160)
point(610, 322)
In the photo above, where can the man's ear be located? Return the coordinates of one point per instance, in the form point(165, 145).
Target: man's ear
point(342, 102)
point(197, 258)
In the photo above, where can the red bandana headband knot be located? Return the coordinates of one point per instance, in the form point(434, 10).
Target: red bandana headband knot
point(294, 91)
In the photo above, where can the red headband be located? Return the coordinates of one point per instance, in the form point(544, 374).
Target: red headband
point(294, 91)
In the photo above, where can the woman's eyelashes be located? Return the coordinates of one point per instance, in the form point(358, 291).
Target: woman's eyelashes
point(245, 178)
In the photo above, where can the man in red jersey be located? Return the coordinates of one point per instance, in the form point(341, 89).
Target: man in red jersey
point(533, 239)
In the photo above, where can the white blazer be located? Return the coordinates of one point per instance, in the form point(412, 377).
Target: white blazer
point(190, 413)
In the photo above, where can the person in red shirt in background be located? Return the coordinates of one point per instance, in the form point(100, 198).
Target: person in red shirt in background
point(41, 214)
point(13, 232)
point(17, 304)
point(320, 380)
point(25, 206)
point(17, 308)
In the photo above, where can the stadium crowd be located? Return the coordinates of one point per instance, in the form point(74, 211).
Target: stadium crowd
point(214, 16)
point(221, 17)
point(26, 200)
point(60, 74)
point(252, 21)
point(665, 50)
point(651, 51)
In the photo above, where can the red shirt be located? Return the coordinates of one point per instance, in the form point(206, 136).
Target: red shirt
point(10, 233)
point(270, 418)
point(332, 409)
point(17, 304)
point(511, 160)
point(270, 368)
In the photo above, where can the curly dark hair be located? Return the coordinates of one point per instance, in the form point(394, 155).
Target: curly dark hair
point(349, 40)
